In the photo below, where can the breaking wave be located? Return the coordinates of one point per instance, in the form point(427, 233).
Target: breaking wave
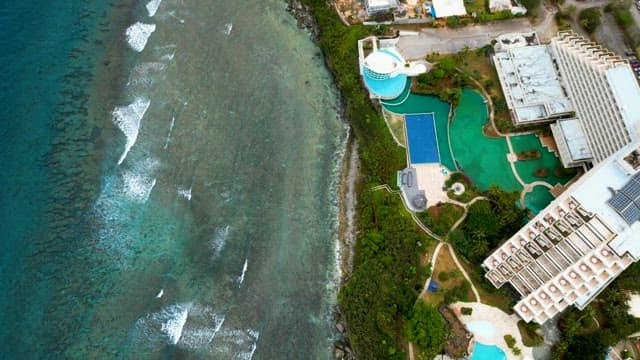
point(152, 7)
point(185, 325)
point(138, 35)
point(216, 244)
point(128, 120)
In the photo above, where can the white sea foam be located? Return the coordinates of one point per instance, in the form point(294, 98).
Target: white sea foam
point(145, 74)
point(168, 57)
point(138, 35)
point(166, 143)
point(219, 240)
point(202, 327)
point(176, 319)
point(138, 186)
point(160, 294)
point(152, 7)
point(185, 193)
point(186, 325)
point(227, 28)
point(235, 343)
point(128, 118)
point(244, 271)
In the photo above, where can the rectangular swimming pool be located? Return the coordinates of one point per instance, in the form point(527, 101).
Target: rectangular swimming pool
point(422, 140)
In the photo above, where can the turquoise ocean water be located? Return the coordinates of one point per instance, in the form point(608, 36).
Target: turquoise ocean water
point(169, 182)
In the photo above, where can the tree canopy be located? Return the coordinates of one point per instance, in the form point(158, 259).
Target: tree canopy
point(426, 327)
point(488, 222)
point(587, 347)
point(590, 19)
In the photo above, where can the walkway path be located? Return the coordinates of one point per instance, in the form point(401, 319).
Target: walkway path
point(435, 236)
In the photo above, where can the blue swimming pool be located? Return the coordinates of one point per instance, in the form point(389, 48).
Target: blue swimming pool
point(422, 139)
point(487, 352)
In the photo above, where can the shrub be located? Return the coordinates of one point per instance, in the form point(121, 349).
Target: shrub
point(625, 19)
point(510, 340)
point(516, 351)
point(609, 7)
point(466, 311)
point(426, 327)
point(443, 276)
point(590, 19)
point(541, 172)
point(529, 155)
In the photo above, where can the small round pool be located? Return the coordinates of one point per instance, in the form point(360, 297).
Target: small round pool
point(487, 352)
point(483, 329)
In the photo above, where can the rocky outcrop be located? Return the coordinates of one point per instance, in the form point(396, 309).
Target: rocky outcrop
point(304, 17)
point(342, 347)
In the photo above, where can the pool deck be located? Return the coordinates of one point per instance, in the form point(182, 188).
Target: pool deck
point(504, 324)
point(431, 180)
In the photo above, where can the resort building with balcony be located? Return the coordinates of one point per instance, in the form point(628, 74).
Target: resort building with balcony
point(578, 244)
point(605, 93)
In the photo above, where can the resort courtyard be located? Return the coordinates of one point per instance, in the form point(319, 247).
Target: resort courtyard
point(462, 145)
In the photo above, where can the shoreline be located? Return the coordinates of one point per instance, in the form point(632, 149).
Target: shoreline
point(347, 194)
point(347, 201)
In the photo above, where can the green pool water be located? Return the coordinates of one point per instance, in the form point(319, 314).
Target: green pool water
point(548, 160)
point(483, 159)
point(422, 104)
point(537, 199)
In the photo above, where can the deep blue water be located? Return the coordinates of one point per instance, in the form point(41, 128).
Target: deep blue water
point(44, 83)
point(225, 205)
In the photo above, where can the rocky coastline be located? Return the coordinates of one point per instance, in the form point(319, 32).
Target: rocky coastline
point(305, 19)
point(347, 195)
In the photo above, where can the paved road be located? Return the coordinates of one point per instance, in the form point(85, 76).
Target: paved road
point(447, 41)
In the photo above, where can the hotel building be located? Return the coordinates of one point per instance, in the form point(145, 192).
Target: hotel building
point(589, 234)
point(578, 244)
point(572, 76)
point(604, 91)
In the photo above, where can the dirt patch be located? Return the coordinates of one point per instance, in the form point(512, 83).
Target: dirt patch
point(458, 342)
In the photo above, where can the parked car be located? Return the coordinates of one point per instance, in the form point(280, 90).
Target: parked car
point(629, 52)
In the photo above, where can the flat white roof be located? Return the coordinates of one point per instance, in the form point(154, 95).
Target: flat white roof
point(575, 139)
point(627, 94)
point(532, 82)
point(497, 5)
point(380, 3)
point(596, 187)
point(446, 8)
point(382, 62)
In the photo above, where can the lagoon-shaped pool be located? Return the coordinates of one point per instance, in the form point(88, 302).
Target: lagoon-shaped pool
point(483, 329)
point(487, 352)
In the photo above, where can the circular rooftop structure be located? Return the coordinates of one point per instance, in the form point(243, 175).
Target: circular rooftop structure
point(383, 62)
point(384, 73)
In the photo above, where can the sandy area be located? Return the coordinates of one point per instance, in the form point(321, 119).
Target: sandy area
point(504, 324)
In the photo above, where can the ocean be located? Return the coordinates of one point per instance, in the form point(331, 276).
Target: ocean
point(169, 184)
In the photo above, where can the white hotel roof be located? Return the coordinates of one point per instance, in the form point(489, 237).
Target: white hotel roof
point(626, 91)
point(575, 139)
point(595, 189)
point(446, 8)
point(534, 85)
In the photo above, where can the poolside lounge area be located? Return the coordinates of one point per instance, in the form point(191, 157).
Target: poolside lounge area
point(489, 325)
